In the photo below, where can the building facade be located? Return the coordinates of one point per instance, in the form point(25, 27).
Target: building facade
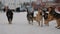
point(17, 3)
point(14, 3)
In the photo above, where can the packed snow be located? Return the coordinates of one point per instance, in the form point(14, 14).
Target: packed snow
point(20, 25)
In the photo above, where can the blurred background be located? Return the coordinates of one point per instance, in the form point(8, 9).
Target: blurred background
point(20, 5)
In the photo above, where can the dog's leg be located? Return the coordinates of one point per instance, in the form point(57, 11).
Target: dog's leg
point(29, 22)
point(41, 22)
point(58, 23)
point(28, 18)
point(58, 27)
point(46, 23)
point(10, 21)
point(32, 20)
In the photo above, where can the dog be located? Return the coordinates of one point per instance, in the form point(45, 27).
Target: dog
point(53, 16)
point(37, 18)
point(30, 18)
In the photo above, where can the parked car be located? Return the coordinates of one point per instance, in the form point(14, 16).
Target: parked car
point(18, 9)
point(21, 9)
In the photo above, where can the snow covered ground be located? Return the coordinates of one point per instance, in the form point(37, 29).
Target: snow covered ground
point(20, 26)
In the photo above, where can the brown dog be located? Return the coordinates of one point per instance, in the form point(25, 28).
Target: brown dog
point(52, 17)
point(38, 17)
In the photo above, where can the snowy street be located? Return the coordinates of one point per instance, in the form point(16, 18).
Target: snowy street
point(20, 25)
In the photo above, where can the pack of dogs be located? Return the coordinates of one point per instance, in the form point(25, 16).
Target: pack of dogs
point(37, 18)
point(49, 16)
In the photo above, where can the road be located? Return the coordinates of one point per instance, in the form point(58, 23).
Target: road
point(20, 25)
